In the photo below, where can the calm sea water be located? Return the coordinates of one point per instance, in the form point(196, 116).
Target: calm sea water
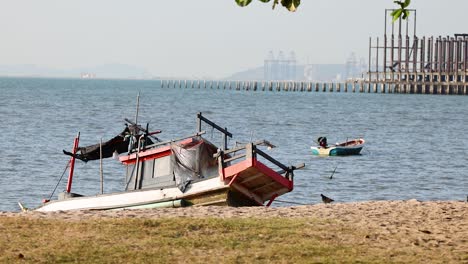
point(416, 144)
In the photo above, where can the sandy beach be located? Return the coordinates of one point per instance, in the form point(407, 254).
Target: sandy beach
point(388, 224)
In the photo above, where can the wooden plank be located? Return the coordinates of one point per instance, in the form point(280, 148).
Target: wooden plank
point(239, 187)
point(264, 186)
point(251, 178)
point(234, 158)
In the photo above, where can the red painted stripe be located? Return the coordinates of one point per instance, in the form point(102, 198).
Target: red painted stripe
point(155, 153)
point(237, 168)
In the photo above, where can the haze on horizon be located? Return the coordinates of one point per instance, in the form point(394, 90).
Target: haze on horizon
point(207, 38)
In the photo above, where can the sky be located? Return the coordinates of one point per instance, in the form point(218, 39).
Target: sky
point(201, 39)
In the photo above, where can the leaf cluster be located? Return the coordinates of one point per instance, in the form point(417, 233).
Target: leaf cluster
point(402, 11)
point(291, 5)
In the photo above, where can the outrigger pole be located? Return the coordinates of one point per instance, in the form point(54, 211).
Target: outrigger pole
point(137, 108)
point(72, 162)
point(136, 122)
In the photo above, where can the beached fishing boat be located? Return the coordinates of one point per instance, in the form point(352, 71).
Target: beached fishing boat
point(349, 147)
point(182, 172)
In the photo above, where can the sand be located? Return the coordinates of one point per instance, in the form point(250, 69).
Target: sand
point(392, 224)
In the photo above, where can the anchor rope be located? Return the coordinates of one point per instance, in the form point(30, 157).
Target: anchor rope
point(290, 202)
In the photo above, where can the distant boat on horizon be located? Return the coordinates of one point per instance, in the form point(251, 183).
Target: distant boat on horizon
point(87, 75)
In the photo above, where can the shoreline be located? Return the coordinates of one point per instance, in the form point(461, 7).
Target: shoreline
point(343, 211)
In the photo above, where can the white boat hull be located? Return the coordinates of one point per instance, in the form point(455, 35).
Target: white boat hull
point(133, 198)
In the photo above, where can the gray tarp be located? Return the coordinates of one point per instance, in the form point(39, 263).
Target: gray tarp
point(191, 162)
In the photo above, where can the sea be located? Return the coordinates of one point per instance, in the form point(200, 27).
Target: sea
point(416, 145)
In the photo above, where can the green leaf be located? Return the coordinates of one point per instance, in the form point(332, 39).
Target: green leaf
point(291, 5)
point(243, 2)
point(402, 11)
point(397, 14)
point(399, 3)
point(407, 3)
point(275, 3)
point(405, 14)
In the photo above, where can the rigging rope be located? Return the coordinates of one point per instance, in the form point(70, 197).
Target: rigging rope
point(65, 170)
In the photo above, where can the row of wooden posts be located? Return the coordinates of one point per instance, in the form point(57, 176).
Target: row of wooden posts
point(360, 86)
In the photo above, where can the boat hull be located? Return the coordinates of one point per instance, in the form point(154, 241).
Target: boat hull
point(248, 183)
point(352, 147)
point(210, 191)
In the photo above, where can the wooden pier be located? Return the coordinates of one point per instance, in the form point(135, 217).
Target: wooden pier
point(410, 64)
point(398, 64)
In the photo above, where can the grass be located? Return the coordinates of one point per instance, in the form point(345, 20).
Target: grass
point(194, 240)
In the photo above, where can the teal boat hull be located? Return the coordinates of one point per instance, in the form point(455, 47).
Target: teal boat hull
point(352, 147)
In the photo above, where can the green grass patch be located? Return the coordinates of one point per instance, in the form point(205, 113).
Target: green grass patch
point(189, 240)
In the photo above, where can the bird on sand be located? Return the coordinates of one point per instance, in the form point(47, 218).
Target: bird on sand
point(326, 199)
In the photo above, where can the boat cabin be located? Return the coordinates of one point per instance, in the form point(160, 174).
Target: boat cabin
point(169, 164)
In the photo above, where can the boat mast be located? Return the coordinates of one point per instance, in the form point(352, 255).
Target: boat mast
point(72, 162)
point(101, 172)
point(137, 163)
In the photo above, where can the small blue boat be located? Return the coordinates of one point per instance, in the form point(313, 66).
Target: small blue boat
point(349, 147)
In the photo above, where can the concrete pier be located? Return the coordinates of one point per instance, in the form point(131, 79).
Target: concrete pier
point(378, 86)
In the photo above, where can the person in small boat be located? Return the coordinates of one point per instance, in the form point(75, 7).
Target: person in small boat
point(322, 142)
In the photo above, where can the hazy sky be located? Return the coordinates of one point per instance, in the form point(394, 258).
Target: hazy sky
point(205, 38)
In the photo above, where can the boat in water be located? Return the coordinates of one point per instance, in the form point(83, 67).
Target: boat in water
point(182, 172)
point(349, 147)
